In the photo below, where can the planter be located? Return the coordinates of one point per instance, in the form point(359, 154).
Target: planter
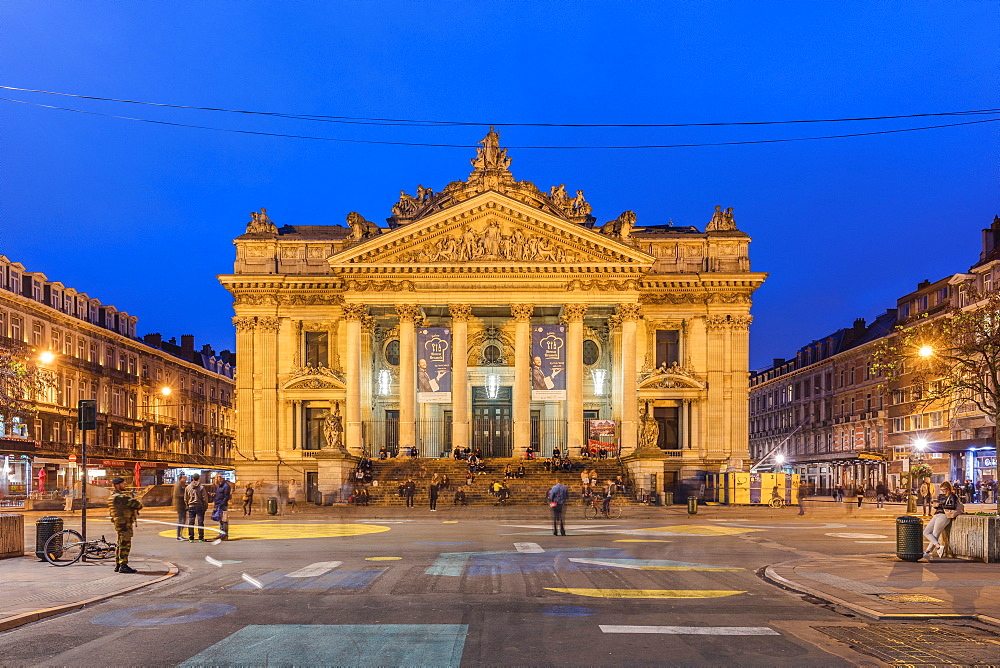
point(975, 537)
point(11, 535)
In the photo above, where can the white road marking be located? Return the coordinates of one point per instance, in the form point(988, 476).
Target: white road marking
point(856, 535)
point(312, 570)
point(693, 630)
point(256, 583)
point(529, 548)
point(598, 562)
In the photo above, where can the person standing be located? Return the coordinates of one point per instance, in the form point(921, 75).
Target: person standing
point(432, 492)
point(179, 506)
point(557, 497)
point(247, 500)
point(881, 491)
point(948, 507)
point(409, 491)
point(196, 501)
point(838, 495)
point(859, 492)
point(925, 491)
point(124, 511)
point(223, 493)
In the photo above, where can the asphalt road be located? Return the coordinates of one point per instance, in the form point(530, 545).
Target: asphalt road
point(446, 588)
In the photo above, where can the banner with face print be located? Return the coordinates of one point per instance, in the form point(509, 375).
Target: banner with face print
point(548, 363)
point(433, 365)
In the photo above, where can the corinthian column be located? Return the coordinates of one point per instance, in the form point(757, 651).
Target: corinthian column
point(460, 374)
point(353, 314)
point(245, 354)
point(407, 375)
point(522, 373)
point(267, 339)
point(629, 314)
point(574, 376)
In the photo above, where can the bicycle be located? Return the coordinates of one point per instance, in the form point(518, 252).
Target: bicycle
point(777, 502)
point(596, 510)
point(68, 547)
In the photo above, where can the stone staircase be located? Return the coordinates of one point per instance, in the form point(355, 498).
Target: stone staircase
point(529, 490)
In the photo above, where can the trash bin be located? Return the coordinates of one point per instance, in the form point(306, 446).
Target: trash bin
point(692, 505)
point(909, 538)
point(668, 498)
point(272, 506)
point(318, 497)
point(45, 527)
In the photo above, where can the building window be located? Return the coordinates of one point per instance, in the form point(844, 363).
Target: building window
point(16, 328)
point(316, 349)
point(936, 420)
point(904, 310)
point(312, 434)
point(667, 347)
point(591, 352)
point(37, 334)
point(392, 352)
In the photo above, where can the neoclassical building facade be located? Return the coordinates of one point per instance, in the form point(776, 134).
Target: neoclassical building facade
point(491, 315)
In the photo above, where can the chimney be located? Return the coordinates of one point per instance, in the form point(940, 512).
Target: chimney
point(207, 351)
point(926, 283)
point(859, 324)
point(155, 340)
point(187, 346)
point(776, 362)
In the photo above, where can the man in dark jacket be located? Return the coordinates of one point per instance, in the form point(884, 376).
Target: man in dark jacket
point(433, 492)
point(196, 500)
point(223, 492)
point(124, 511)
point(179, 506)
point(409, 490)
point(557, 497)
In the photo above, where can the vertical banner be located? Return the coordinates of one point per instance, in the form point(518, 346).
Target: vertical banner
point(548, 363)
point(602, 438)
point(433, 365)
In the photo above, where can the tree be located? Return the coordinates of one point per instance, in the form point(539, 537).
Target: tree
point(951, 359)
point(22, 380)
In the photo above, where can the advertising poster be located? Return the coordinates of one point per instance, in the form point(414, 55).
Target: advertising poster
point(433, 365)
point(548, 363)
point(602, 438)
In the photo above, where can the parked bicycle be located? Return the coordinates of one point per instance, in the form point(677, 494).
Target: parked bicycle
point(596, 509)
point(777, 502)
point(68, 547)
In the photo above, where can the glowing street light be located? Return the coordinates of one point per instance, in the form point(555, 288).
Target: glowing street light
point(165, 391)
point(46, 357)
point(779, 459)
point(925, 351)
point(919, 444)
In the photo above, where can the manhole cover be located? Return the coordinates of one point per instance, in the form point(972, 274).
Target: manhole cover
point(915, 645)
point(910, 598)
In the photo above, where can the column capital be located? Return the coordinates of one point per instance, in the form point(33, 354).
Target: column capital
point(354, 312)
point(522, 312)
point(368, 323)
point(407, 312)
point(575, 312)
point(460, 312)
point(244, 323)
point(268, 323)
point(629, 312)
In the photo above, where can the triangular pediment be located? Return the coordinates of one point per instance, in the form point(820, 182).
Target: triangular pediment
point(492, 230)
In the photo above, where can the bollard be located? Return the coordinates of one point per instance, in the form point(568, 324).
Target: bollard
point(318, 498)
point(909, 538)
point(692, 505)
point(668, 498)
point(911, 503)
point(272, 506)
point(45, 527)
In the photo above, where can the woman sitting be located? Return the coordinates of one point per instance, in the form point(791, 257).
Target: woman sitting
point(947, 508)
point(520, 471)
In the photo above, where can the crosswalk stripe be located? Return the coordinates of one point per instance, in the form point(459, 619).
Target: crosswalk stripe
point(312, 570)
point(529, 548)
point(693, 630)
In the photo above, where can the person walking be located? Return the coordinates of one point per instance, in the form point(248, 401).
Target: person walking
point(179, 506)
point(432, 492)
point(409, 490)
point(124, 511)
point(925, 491)
point(609, 493)
point(838, 495)
point(247, 500)
point(223, 493)
point(881, 491)
point(859, 492)
point(557, 497)
point(948, 507)
point(196, 501)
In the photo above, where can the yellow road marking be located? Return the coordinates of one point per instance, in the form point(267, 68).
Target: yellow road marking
point(450, 522)
point(287, 531)
point(382, 558)
point(646, 593)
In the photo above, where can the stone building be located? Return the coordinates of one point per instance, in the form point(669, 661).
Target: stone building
point(93, 353)
point(491, 315)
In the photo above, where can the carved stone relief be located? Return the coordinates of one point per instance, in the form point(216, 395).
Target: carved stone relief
point(244, 299)
point(310, 299)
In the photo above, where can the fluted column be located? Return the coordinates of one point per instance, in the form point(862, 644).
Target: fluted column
point(629, 314)
point(574, 377)
point(407, 375)
point(246, 425)
point(460, 374)
point(353, 314)
point(522, 374)
point(267, 387)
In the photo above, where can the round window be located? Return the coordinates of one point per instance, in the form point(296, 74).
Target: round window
point(591, 352)
point(492, 354)
point(392, 352)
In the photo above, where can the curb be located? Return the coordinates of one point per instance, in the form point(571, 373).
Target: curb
point(770, 576)
point(29, 617)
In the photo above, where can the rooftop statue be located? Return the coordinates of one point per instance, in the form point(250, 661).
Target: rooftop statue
point(361, 228)
point(621, 226)
point(260, 223)
point(491, 156)
point(722, 221)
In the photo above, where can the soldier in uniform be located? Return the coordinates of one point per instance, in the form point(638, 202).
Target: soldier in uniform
point(124, 510)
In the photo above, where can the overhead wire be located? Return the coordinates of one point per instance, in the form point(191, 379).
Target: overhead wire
point(442, 145)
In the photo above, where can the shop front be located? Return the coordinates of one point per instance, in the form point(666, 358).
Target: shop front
point(16, 472)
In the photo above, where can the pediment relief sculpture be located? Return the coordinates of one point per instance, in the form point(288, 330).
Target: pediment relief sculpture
point(670, 376)
point(315, 378)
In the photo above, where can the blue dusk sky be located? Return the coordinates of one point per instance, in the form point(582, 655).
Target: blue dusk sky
point(143, 215)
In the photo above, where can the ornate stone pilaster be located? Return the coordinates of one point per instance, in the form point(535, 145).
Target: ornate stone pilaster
point(574, 314)
point(244, 403)
point(460, 314)
point(522, 370)
point(628, 314)
point(353, 314)
point(265, 388)
point(408, 314)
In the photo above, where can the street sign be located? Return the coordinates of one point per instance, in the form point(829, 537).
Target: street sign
point(87, 414)
point(72, 459)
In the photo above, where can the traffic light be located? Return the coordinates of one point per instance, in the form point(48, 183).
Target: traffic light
point(87, 414)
